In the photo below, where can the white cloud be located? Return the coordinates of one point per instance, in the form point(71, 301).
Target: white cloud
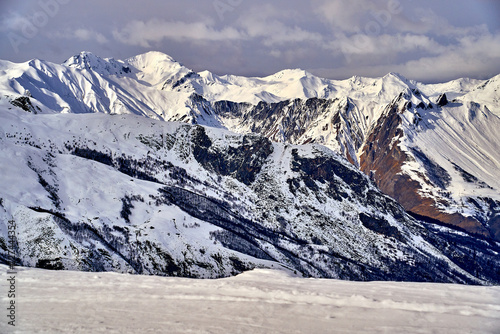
point(275, 32)
point(276, 27)
point(85, 35)
point(471, 57)
point(373, 38)
point(353, 15)
point(13, 21)
point(80, 34)
point(265, 24)
point(421, 39)
point(384, 45)
point(476, 57)
point(143, 33)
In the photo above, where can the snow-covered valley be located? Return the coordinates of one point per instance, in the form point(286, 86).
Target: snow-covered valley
point(259, 301)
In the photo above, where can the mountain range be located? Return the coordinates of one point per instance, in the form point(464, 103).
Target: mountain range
point(144, 166)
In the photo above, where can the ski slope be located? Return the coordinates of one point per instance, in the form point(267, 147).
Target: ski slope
point(260, 301)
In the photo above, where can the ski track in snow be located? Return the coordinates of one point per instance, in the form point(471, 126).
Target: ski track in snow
point(260, 301)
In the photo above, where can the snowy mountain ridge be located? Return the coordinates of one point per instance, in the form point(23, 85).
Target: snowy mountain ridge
point(228, 156)
point(173, 84)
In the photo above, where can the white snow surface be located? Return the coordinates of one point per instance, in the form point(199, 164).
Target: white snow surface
point(260, 301)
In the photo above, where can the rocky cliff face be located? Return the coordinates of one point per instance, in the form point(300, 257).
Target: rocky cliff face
point(383, 160)
point(327, 122)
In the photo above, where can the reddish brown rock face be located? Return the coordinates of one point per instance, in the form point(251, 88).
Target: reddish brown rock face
point(382, 160)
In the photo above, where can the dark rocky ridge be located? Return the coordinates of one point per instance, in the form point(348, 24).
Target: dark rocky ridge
point(243, 163)
point(442, 100)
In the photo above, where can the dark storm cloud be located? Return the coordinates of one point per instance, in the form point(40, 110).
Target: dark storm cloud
point(424, 40)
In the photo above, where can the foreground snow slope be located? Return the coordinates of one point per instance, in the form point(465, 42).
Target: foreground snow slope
point(260, 301)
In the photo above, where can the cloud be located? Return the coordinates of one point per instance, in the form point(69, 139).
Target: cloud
point(274, 31)
point(421, 39)
point(264, 28)
point(80, 34)
point(143, 33)
point(85, 35)
point(277, 33)
point(469, 56)
point(352, 16)
point(277, 26)
point(373, 38)
point(264, 24)
point(14, 22)
point(384, 45)
point(473, 56)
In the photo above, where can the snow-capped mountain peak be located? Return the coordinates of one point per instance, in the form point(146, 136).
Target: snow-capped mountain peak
point(290, 74)
point(103, 66)
point(152, 58)
point(396, 76)
point(158, 69)
point(84, 60)
point(393, 79)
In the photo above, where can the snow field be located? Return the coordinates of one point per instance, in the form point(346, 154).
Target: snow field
point(260, 301)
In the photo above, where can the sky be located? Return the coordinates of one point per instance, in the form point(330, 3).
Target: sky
point(424, 40)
